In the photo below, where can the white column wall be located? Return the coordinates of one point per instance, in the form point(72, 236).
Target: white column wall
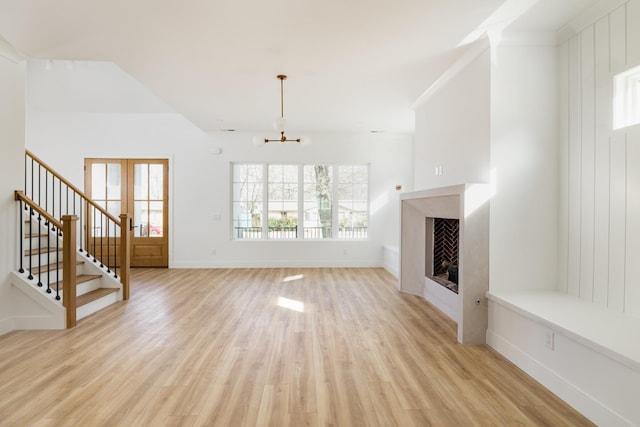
point(599, 171)
point(12, 86)
point(524, 167)
point(452, 129)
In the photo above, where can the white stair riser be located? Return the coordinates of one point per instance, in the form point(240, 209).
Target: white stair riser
point(87, 287)
point(96, 305)
point(44, 258)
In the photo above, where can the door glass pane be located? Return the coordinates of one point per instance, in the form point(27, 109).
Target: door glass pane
point(140, 219)
point(98, 172)
point(155, 219)
point(155, 182)
point(113, 181)
point(140, 181)
point(114, 208)
point(97, 221)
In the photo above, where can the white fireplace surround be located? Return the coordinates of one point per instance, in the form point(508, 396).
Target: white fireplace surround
point(469, 203)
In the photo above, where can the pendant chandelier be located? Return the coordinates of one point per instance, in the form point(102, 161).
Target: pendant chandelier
point(280, 122)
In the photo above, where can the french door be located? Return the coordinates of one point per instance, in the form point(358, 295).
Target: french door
point(140, 188)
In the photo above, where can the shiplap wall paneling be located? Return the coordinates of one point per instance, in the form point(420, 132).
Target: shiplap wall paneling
point(633, 32)
point(632, 289)
point(603, 126)
point(618, 40)
point(575, 166)
point(618, 171)
point(587, 223)
point(563, 159)
point(600, 180)
point(618, 215)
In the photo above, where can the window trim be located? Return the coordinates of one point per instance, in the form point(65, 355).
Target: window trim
point(626, 98)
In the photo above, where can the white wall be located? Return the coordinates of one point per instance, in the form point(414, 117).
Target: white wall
point(452, 126)
point(12, 86)
point(200, 181)
point(524, 166)
point(600, 168)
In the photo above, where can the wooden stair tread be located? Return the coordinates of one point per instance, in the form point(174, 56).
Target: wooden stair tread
point(42, 250)
point(81, 278)
point(45, 268)
point(31, 235)
point(94, 295)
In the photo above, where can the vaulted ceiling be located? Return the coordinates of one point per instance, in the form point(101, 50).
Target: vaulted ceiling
point(352, 64)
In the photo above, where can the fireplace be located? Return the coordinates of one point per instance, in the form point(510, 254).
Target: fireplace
point(444, 233)
point(448, 224)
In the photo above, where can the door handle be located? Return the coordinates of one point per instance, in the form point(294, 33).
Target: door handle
point(130, 224)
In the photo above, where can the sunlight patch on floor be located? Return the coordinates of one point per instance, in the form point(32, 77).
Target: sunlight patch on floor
point(291, 304)
point(291, 278)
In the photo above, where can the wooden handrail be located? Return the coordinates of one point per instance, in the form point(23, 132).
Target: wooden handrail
point(33, 205)
point(73, 187)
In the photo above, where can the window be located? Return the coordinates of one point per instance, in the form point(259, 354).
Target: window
point(282, 205)
point(626, 107)
point(247, 201)
point(318, 197)
point(353, 201)
point(312, 202)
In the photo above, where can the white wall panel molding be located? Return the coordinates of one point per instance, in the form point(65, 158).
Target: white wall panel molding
point(618, 221)
point(618, 40)
point(633, 33)
point(588, 178)
point(575, 167)
point(603, 126)
point(563, 159)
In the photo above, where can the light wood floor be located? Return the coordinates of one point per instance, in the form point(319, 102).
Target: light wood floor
point(276, 347)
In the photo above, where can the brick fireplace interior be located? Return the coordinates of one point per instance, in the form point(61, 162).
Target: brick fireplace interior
point(444, 263)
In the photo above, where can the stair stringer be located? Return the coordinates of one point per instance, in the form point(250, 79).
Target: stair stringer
point(33, 308)
point(36, 309)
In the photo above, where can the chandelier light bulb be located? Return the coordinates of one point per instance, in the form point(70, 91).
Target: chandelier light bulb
point(305, 140)
point(279, 124)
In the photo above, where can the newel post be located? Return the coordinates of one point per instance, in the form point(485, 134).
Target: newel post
point(69, 247)
point(125, 254)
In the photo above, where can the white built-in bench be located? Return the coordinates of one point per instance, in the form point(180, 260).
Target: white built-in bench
point(588, 355)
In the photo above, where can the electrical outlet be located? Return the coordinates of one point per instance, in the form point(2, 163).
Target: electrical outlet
point(549, 339)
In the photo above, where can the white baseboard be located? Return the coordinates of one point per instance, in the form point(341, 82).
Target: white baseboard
point(277, 264)
point(581, 401)
point(43, 322)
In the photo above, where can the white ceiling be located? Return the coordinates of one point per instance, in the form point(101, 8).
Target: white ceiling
point(352, 64)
